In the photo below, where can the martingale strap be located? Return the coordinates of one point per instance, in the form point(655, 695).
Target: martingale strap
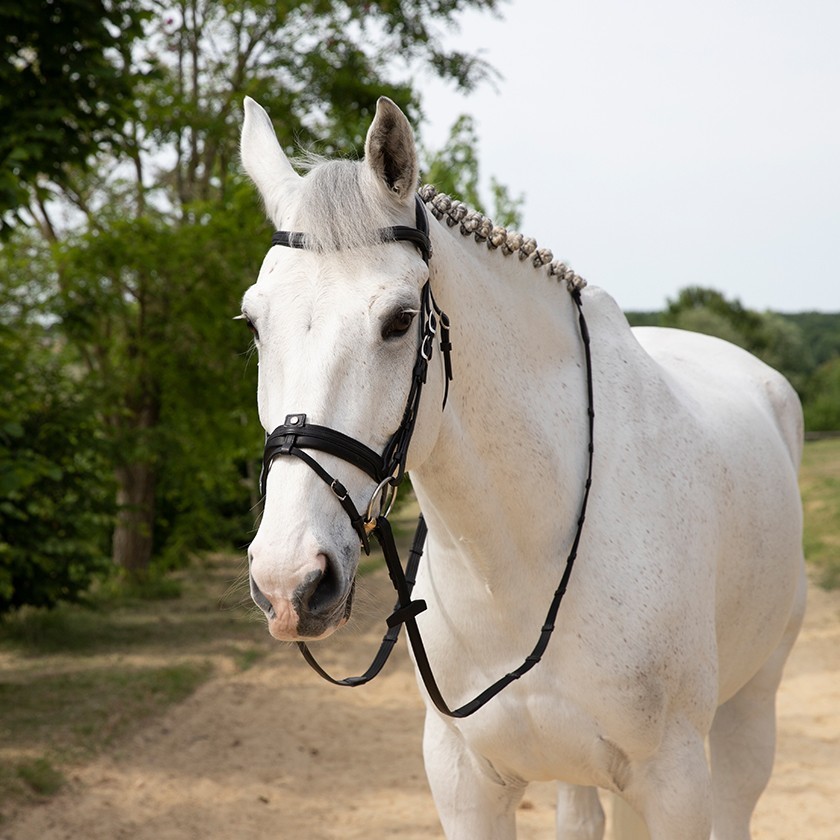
point(296, 435)
point(406, 610)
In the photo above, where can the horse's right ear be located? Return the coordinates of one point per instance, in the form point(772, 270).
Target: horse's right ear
point(264, 160)
point(390, 151)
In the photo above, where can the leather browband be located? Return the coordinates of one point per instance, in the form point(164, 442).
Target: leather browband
point(417, 236)
point(295, 436)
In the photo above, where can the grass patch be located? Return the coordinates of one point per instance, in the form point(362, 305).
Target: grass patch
point(40, 776)
point(77, 679)
point(154, 586)
point(819, 482)
point(79, 712)
point(249, 657)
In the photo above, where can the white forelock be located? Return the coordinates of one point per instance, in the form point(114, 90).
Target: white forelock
point(338, 209)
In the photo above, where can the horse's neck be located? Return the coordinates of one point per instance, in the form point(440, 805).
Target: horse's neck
point(505, 477)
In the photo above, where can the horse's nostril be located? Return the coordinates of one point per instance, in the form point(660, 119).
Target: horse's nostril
point(260, 600)
point(327, 587)
point(305, 593)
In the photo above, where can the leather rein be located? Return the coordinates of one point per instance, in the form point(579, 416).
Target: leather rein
point(387, 469)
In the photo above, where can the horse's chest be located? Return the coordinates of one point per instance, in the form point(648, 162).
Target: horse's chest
point(536, 741)
point(538, 729)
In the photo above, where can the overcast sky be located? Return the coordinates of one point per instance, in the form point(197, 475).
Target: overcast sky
point(667, 143)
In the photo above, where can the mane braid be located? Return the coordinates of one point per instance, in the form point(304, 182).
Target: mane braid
point(473, 223)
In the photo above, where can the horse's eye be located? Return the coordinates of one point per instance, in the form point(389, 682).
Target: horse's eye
point(398, 324)
point(249, 323)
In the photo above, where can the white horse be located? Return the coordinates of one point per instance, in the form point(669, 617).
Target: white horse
point(688, 590)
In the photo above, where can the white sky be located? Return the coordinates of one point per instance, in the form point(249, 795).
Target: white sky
point(667, 143)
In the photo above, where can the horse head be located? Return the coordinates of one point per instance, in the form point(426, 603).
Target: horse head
point(335, 322)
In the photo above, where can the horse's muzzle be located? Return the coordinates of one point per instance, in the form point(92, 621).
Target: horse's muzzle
point(319, 603)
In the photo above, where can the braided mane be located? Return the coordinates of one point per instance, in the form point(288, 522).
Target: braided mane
point(337, 212)
point(473, 223)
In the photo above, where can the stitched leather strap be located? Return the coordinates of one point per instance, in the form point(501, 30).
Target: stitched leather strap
point(417, 236)
point(296, 432)
point(406, 610)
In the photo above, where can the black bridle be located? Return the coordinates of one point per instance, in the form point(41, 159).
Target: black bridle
point(387, 469)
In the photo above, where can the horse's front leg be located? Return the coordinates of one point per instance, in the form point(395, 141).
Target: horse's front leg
point(672, 790)
point(472, 799)
point(579, 813)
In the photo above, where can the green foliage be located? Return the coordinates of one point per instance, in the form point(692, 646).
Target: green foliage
point(55, 490)
point(644, 319)
point(149, 305)
point(821, 331)
point(41, 776)
point(820, 486)
point(55, 482)
point(805, 347)
point(773, 339)
point(65, 92)
point(708, 321)
point(709, 307)
point(455, 170)
point(822, 398)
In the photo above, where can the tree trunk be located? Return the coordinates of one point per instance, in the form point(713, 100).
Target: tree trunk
point(133, 533)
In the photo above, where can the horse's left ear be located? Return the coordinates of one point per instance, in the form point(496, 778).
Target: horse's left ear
point(390, 151)
point(264, 161)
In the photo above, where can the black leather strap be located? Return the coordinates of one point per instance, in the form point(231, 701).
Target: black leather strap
point(296, 432)
point(417, 236)
point(406, 610)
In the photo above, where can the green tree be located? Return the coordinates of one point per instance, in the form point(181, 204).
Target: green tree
point(822, 398)
point(166, 236)
point(455, 170)
point(821, 331)
point(56, 492)
point(65, 91)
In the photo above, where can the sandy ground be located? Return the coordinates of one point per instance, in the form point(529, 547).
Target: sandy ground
point(274, 752)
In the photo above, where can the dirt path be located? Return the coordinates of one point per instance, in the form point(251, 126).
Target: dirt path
point(274, 752)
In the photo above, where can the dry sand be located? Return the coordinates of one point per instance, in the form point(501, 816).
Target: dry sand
point(274, 752)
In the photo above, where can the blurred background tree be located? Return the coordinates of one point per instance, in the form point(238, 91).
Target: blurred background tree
point(775, 340)
point(804, 346)
point(128, 433)
point(66, 91)
point(122, 193)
